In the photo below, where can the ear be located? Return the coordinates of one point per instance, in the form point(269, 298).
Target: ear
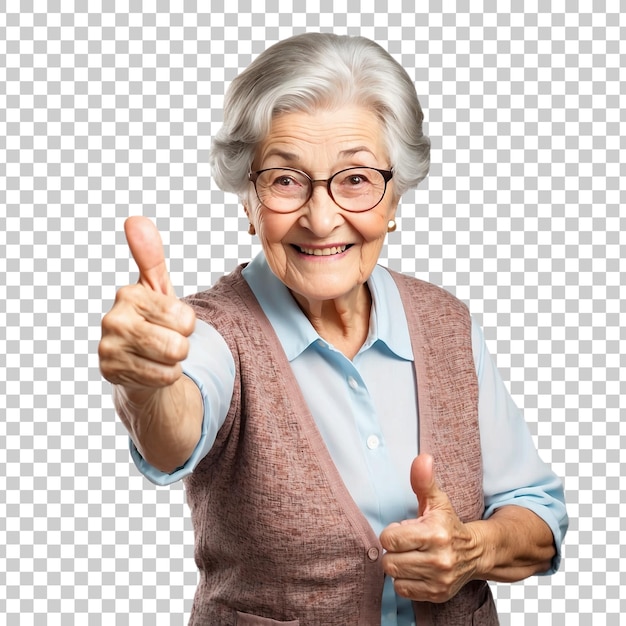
point(393, 206)
point(251, 226)
point(244, 204)
point(393, 209)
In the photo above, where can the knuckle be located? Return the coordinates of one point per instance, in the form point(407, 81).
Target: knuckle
point(162, 345)
point(439, 596)
point(176, 347)
point(441, 537)
point(390, 567)
point(166, 376)
point(447, 566)
point(187, 319)
point(389, 541)
point(399, 586)
point(103, 348)
point(110, 324)
point(108, 351)
point(444, 561)
point(126, 293)
point(404, 588)
point(115, 321)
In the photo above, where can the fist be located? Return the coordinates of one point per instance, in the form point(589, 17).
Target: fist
point(145, 334)
point(431, 557)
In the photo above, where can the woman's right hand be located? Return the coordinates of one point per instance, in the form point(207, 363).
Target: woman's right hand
point(144, 339)
point(144, 335)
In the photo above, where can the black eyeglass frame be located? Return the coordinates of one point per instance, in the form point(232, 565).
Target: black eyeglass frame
point(386, 174)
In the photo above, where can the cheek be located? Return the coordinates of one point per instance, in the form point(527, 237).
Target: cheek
point(373, 228)
point(272, 227)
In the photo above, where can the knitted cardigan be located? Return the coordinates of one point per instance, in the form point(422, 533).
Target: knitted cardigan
point(278, 538)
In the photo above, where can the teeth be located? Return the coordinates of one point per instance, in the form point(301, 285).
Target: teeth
point(323, 251)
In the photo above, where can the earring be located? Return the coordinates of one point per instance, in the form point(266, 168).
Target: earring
point(251, 229)
point(391, 226)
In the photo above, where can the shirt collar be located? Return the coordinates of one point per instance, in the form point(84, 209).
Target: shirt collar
point(295, 333)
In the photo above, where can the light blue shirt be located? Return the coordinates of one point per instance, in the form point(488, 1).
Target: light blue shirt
point(366, 411)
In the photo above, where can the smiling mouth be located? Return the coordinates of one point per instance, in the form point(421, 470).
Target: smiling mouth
point(323, 251)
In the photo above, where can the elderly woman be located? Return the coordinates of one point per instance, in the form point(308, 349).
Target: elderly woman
point(350, 454)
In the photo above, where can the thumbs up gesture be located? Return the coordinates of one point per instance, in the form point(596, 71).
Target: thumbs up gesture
point(144, 336)
point(430, 558)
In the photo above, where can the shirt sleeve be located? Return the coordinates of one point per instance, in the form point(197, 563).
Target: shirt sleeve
point(514, 474)
point(211, 366)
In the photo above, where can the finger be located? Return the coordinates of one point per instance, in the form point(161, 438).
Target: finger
point(420, 576)
point(136, 372)
point(134, 352)
point(416, 590)
point(155, 308)
point(424, 484)
point(409, 535)
point(158, 344)
point(422, 590)
point(154, 361)
point(413, 565)
point(124, 331)
point(146, 247)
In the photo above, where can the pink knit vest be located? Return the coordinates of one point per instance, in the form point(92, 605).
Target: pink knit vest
point(278, 539)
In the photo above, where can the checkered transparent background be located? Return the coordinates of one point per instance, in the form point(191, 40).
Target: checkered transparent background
point(107, 110)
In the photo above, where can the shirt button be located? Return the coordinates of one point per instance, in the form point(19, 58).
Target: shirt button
point(352, 382)
point(373, 442)
point(372, 554)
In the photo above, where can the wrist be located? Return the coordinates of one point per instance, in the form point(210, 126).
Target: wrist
point(136, 407)
point(485, 549)
point(164, 423)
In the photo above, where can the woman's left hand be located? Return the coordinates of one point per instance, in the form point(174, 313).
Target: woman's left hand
point(430, 558)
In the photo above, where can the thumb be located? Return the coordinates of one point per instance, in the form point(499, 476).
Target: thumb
point(146, 247)
point(424, 484)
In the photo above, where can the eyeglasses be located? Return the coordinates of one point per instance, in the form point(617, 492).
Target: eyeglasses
point(356, 189)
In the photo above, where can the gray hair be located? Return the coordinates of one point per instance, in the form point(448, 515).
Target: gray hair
point(306, 73)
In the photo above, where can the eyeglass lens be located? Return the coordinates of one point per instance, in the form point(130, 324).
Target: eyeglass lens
point(353, 189)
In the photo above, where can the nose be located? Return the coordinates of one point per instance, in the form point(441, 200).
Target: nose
point(321, 215)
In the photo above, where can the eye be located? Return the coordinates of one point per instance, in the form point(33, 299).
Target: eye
point(284, 181)
point(356, 179)
point(359, 178)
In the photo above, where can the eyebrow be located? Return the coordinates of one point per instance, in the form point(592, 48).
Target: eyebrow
point(352, 151)
point(290, 156)
point(287, 156)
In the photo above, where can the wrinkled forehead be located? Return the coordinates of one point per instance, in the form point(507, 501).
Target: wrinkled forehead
point(341, 136)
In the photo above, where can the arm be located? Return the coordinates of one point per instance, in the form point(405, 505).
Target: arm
point(164, 424)
point(210, 367)
point(514, 475)
point(525, 519)
point(144, 340)
point(516, 544)
point(432, 557)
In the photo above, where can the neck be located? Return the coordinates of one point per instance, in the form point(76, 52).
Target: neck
point(343, 322)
